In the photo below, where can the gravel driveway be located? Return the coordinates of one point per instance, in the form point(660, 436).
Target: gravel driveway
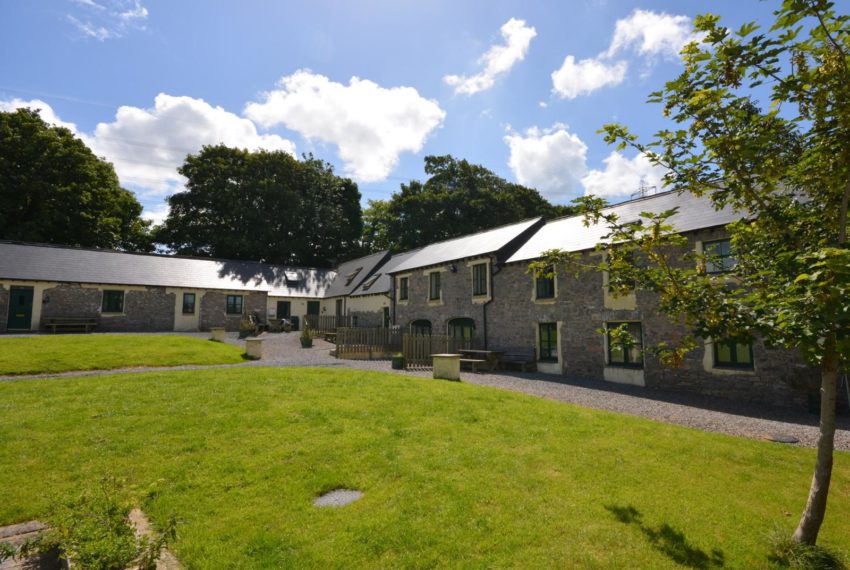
point(700, 412)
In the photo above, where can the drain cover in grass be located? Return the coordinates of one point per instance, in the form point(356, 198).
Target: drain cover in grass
point(779, 438)
point(337, 498)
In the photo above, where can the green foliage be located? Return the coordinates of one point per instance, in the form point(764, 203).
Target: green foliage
point(458, 198)
point(93, 530)
point(784, 168)
point(450, 471)
point(61, 353)
point(265, 206)
point(53, 189)
point(306, 333)
point(791, 554)
point(7, 551)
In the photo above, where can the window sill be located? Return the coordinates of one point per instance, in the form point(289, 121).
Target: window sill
point(435, 302)
point(112, 314)
point(544, 301)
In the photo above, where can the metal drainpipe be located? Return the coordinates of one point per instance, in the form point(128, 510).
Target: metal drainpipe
point(497, 268)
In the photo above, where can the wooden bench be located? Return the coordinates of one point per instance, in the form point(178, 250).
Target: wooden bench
point(520, 359)
point(330, 337)
point(472, 362)
point(69, 324)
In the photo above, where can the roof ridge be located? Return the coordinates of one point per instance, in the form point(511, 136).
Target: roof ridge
point(464, 236)
point(618, 204)
point(159, 255)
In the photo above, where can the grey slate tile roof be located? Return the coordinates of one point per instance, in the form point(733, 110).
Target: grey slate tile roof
point(381, 281)
point(474, 245)
point(570, 234)
point(32, 262)
point(351, 274)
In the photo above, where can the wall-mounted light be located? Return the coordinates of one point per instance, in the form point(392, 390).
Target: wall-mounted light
point(452, 268)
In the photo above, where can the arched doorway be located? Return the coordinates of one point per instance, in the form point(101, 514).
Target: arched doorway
point(462, 329)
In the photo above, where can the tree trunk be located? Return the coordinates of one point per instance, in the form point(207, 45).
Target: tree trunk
point(810, 522)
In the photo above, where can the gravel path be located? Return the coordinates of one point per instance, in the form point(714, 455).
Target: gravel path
point(700, 412)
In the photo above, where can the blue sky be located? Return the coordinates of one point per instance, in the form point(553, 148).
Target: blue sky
point(371, 86)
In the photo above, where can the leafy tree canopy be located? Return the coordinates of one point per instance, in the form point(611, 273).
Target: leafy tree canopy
point(53, 189)
point(458, 198)
point(265, 206)
point(785, 166)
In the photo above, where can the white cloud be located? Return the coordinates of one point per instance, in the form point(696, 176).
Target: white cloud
point(45, 110)
point(371, 125)
point(552, 160)
point(648, 34)
point(586, 76)
point(622, 177)
point(498, 60)
point(652, 34)
point(147, 145)
point(109, 19)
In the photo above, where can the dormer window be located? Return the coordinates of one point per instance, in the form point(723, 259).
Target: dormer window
point(351, 276)
point(371, 281)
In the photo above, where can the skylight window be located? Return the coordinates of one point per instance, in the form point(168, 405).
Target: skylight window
point(350, 277)
point(371, 281)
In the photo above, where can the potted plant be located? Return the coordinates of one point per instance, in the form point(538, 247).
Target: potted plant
point(306, 337)
point(398, 361)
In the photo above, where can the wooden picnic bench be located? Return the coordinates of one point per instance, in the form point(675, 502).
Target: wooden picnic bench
point(520, 358)
point(69, 324)
point(490, 357)
point(473, 363)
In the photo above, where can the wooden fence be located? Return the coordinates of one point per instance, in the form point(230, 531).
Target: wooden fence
point(327, 323)
point(418, 348)
point(372, 343)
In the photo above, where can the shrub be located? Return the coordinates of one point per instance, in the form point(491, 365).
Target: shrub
point(788, 553)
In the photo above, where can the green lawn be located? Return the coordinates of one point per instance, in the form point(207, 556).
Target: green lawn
point(454, 474)
point(60, 353)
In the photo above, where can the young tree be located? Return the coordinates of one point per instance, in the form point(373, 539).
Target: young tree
point(785, 168)
point(262, 205)
point(458, 198)
point(53, 189)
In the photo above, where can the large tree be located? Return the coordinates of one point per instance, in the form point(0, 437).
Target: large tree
point(458, 198)
point(53, 189)
point(262, 205)
point(785, 166)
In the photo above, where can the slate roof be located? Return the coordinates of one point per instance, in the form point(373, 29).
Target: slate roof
point(351, 274)
point(570, 234)
point(381, 281)
point(35, 262)
point(474, 245)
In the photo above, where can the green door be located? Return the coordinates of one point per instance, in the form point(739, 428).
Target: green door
point(20, 308)
point(312, 307)
point(283, 309)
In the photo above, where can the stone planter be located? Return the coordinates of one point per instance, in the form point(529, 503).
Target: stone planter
point(446, 366)
point(217, 334)
point(254, 348)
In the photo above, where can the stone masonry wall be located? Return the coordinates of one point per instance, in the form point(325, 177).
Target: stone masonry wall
point(456, 300)
point(213, 309)
point(780, 377)
point(4, 307)
point(151, 309)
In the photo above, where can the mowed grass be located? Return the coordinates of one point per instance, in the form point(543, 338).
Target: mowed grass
point(454, 475)
point(62, 353)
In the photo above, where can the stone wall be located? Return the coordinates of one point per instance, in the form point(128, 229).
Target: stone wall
point(779, 376)
point(213, 309)
point(4, 307)
point(456, 300)
point(151, 309)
